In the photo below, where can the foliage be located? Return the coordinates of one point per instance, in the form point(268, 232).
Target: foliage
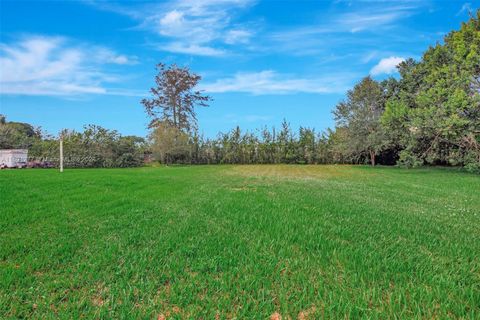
point(429, 115)
point(94, 147)
point(100, 147)
point(17, 135)
point(169, 144)
point(174, 98)
point(435, 113)
point(360, 116)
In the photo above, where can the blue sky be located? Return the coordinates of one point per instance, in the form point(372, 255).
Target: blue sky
point(67, 64)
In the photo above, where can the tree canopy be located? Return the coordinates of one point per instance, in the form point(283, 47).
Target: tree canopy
point(174, 98)
point(435, 111)
point(428, 115)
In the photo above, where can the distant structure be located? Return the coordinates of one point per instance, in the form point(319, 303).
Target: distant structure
point(13, 158)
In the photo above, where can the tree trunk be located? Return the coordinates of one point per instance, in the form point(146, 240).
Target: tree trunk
point(372, 158)
point(174, 108)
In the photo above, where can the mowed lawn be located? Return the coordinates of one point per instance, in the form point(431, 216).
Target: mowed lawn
point(245, 242)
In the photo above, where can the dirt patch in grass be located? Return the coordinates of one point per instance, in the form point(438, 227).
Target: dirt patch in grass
point(307, 314)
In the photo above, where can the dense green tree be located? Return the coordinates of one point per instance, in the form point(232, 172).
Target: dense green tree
point(286, 146)
point(129, 151)
point(435, 114)
point(307, 146)
point(360, 115)
point(266, 146)
point(170, 144)
point(17, 135)
point(94, 147)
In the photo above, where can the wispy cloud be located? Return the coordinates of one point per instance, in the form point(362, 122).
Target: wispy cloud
point(37, 65)
point(105, 55)
point(270, 82)
point(236, 36)
point(342, 28)
point(369, 56)
point(386, 66)
point(372, 19)
point(466, 7)
point(216, 28)
point(195, 27)
point(193, 49)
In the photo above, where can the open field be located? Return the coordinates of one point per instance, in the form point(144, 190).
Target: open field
point(240, 242)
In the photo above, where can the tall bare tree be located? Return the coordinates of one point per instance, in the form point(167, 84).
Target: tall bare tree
point(174, 97)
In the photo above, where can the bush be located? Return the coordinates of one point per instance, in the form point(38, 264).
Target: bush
point(472, 162)
point(409, 160)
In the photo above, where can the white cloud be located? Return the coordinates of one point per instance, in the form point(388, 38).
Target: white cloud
point(237, 36)
point(386, 66)
point(361, 21)
point(172, 19)
point(195, 23)
point(191, 26)
point(193, 49)
point(270, 82)
point(354, 20)
point(39, 65)
point(104, 55)
point(338, 30)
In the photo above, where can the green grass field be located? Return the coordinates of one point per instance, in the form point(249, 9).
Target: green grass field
point(245, 242)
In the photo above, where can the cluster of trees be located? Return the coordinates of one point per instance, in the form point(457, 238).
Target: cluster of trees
point(174, 137)
point(263, 146)
point(100, 147)
point(171, 145)
point(429, 115)
point(94, 147)
point(17, 135)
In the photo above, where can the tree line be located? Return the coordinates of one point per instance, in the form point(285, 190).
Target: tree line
point(169, 145)
point(93, 147)
point(429, 115)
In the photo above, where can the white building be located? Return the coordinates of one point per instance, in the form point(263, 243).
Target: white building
point(13, 158)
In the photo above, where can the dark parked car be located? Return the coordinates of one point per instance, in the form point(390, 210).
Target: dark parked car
point(40, 164)
point(47, 164)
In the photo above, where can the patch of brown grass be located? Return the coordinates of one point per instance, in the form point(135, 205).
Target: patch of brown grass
point(98, 301)
point(305, 314)
point(301, 172)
